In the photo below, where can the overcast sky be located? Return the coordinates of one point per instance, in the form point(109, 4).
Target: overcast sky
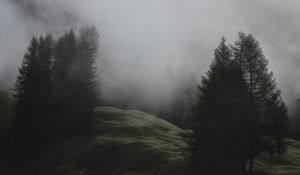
point(150, 47)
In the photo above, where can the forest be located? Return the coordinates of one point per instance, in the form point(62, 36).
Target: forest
point(238, 111)
point(73, 108)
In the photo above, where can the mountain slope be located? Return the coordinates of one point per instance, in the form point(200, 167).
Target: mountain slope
point(287, 164)
point(127, 142)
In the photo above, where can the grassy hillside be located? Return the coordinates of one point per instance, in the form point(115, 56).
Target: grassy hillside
point(288, 164)
point(129, 142)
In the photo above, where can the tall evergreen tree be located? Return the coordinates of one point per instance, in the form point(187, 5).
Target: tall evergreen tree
point(33, 92)
point(45, 83)
point(216, 122)
point(86, 75)
point(295, 120)
point(75, 80)
point(239, 113)
point(267, 121)
point(65, 56)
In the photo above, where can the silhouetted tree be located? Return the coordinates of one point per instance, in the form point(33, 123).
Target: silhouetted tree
point(64, 82)
point(45, 85)
point(76, 92)
point(87, 84)
point(239, 113)
point(33, 93)
point(216, 147)
point(267, 121)
point(295, 120)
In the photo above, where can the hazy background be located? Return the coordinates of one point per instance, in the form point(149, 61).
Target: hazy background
point(150, 49)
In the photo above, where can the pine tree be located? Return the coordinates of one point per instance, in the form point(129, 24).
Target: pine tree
point(86, 75)
point(295, 120)
point(45, 57)
point(25, 121)
point(267, 121)
point(33, 93)
point(217, 117)
point(64, 77)
point(76, 92)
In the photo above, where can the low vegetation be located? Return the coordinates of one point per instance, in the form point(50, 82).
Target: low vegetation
point(131, 142)
point(127, 142)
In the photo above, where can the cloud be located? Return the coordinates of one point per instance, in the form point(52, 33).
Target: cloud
point(149, 48)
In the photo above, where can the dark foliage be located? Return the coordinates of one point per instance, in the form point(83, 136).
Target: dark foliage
point(76, 90)
point(217, 119)
point(56, 89)
point(239, 113)
point(33, 94)
point(268, 124)
point(295, 120)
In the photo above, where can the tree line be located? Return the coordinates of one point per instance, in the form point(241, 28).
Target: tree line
point(239, 113)
point(56, 88)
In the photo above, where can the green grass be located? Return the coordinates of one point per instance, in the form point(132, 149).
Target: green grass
point(129, 142)
point(287, 164)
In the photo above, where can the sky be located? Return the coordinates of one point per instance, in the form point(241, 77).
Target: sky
point(151, 48)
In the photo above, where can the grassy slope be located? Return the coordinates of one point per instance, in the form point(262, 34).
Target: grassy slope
point(127, 142)
point(130, 142)
point(288, 164)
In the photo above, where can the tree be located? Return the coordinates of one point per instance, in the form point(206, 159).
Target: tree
point(33, 92)
point(295, 120)
point(76, 92)
point(216, 122)
point(239, 112)
point(65, 56)
point(267, 121)
point(45, 84)
point(87, 85)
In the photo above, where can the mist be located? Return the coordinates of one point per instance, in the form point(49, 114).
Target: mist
point(150, 49)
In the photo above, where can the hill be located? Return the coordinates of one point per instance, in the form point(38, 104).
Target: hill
point(288, 164)
point(127, 142)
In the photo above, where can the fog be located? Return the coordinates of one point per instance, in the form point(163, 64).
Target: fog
point(150, 49)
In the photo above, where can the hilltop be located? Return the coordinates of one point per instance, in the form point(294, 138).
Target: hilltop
point(127, 142)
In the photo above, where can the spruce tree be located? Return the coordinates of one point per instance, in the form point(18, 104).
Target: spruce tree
point(76, 93)
point(25, 121)
point(33, 93)
point(86, 75)
point(216, 122)
point(45, 57)
point(267, 118)
point(295, 120)
point(64, 83)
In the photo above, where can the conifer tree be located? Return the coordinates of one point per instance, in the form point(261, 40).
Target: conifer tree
point(64, 70)
point(45, 83)
point(267, 121)
point(216, 122)
point(239, 108)
point(76, 92)
point(33, 93)
point(295, 120)
point(86, 75)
